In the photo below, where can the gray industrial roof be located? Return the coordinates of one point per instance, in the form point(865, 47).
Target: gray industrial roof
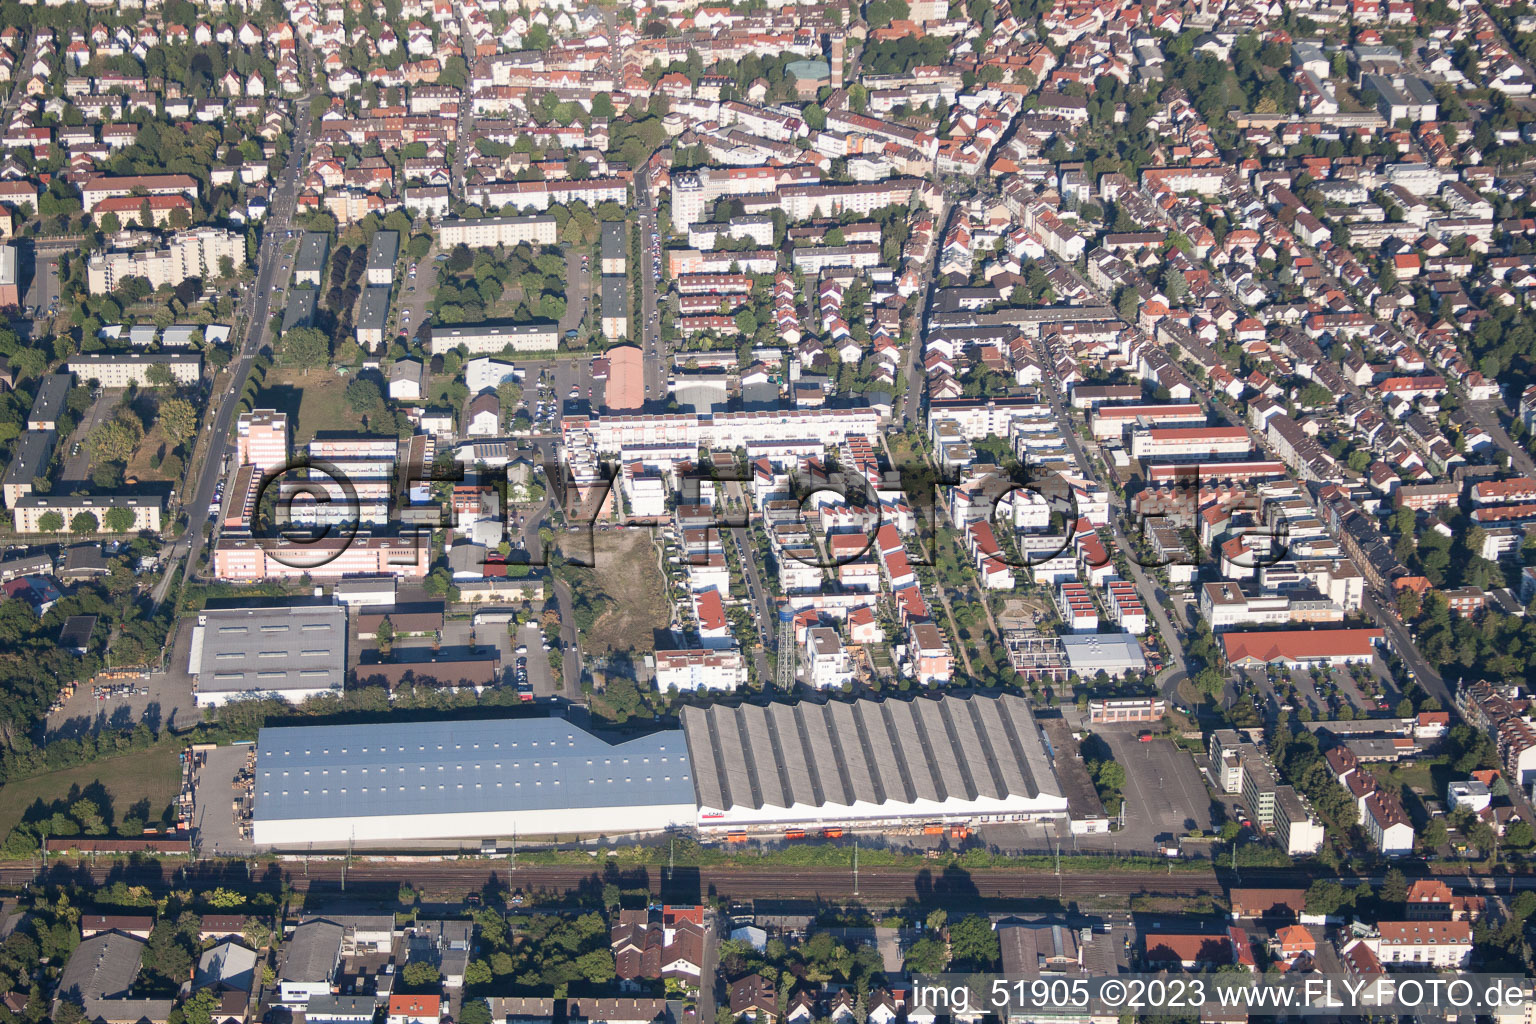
point(236, 650)
point(327, 1006)
point(314, 950)
point(494, 330)
point(867, 751)
point(1087, 653)
point(615, 289)
point(521, 764)
point(227, 963)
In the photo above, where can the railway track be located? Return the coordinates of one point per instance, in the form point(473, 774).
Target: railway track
point(456, 879)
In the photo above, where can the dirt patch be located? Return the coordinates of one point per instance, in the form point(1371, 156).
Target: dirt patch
point(147, 463)
point(1022, 613)
point(620, 602)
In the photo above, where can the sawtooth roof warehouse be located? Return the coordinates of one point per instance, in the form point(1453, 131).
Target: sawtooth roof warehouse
point(861, 762)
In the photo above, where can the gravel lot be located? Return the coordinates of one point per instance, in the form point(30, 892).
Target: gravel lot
point(168, 704)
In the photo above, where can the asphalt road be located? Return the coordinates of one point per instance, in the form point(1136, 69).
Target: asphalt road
point(759, 598)
point(913, 403)
point(1486, 415)
point(653, 348)
point(279, 221)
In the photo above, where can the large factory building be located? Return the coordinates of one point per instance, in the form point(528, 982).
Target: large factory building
point(861, 763)
point(335, 784)
point(871, 762)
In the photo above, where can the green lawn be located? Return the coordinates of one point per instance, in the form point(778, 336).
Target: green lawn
point(153, 774)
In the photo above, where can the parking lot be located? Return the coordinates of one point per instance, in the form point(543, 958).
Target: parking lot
point(1164, 792)
point(214, 814)
point(77, 458)
point(168, 704)
point(457, 635)
point(412, 296)
point(43, 287)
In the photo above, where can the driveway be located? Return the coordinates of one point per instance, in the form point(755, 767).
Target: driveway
point(78, 467)
point(578, 291)
point(413, 296)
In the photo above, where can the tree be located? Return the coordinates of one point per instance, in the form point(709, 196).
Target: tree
point(420, 974)
point(474, 1011)
point(115, 440)
point(199, 1007)
point(255, 932)
point(224, 899)
point(1394, 887)
point(1328, 897)
point(1127, 304)
point(167, 956)
point(385, 635)
point(1175, 286)
point(1523, 905)
point(596, 967)
point(50, 522)
point(1433, 836)
point(926, 955)
point(178, 418)
point(477, 972)
point(84, 522)
point(88, 814)
point(1209, 682)
point(305, 348)
point(159, 375)
point(363, 396)
point(119, 519)
point(973, 943)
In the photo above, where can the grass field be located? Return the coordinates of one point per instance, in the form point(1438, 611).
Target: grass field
point(153, 774)
point(633, 603)
point(314, 403)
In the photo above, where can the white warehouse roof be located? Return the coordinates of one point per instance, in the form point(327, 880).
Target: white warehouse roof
point(945, 757)
point(488, 778)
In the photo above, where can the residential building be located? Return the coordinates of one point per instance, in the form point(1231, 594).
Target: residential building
point(201, 252)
